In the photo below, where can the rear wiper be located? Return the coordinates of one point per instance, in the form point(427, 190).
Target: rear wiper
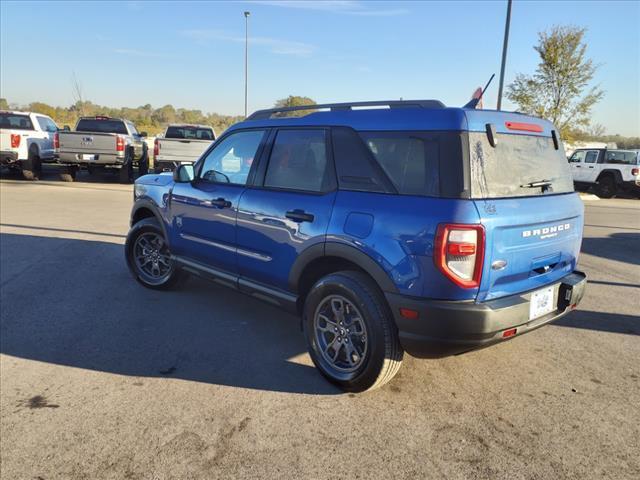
point(541, 183)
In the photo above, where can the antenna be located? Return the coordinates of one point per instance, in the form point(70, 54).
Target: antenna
point(474, 101)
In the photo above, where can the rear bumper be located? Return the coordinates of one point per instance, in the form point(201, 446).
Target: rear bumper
point(449, 328)
point(165, 165)
point(8, 157)
point(99, 159)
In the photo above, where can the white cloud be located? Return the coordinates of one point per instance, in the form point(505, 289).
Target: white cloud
point(344, 7)
point(274, 45)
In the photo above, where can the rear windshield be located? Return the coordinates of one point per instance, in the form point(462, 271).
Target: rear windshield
point(622, 157)
point(15, 121)
point(102, 126)
point(195, 133)
point(516, 162)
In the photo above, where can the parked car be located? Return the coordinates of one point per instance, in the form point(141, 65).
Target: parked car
point(26, 140)
point(181, 144)
point(103, 143)
point(415, 228)
point(609, 171)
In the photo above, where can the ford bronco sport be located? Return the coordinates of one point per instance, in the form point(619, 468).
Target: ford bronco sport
point(409, 228)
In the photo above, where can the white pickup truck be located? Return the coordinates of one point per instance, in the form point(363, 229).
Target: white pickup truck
point(181, 144)
point(610, 171)
point(26, 140)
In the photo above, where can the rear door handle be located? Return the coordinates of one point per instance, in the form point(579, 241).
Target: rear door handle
point(591, 166)
point(299, 216)
point(221, 202)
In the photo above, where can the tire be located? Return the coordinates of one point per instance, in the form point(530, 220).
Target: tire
point(370, 353)
point(125, 174)
point(69, 175)
point(32, 168)
point(143, 163)
point(607, 187)
point(143, 269)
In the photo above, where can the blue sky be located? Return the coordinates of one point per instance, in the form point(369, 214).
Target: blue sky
point(190, 54)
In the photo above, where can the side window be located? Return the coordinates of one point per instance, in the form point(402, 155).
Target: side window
point(230, 161)
point(298, 161)
point(577, 157)
point(46, 125)
point(592, 157)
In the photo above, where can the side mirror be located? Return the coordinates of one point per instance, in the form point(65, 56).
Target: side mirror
point(66, 128)
point(184, 174)
point(143, 134)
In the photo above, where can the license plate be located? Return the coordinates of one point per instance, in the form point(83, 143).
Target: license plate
point(541, 303)
point(88, 157)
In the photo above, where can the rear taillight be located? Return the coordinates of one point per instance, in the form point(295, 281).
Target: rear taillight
point(15, 140)
point(119, 144)
point(156, 148)
point(525, 127)
point(635, 171)
point(459, 253)
point(56, 140)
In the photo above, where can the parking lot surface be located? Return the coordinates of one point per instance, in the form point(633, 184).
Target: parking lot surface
point(101, 378)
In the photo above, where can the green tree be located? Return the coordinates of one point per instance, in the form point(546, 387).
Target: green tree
point(4, 105)
point(558, 90)
point(294, 101)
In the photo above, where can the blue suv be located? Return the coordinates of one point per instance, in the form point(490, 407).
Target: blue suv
point(390, 227)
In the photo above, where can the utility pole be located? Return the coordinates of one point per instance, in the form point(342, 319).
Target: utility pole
point(504, 53)
point(246, 60)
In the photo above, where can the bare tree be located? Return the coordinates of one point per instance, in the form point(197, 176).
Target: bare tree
point(76, 91)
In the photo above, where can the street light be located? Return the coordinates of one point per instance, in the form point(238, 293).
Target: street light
point(504, 53)
point(246, 60)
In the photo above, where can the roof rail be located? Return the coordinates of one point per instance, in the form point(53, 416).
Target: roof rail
point(267, 113)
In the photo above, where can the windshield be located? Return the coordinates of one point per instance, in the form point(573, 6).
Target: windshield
point(518, 166)
point(15, 122)
point(102, 126)
point(195, 133)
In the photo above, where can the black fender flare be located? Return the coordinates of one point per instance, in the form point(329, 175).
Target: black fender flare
point(617, 176)
point(153, 208)
point(340, 250)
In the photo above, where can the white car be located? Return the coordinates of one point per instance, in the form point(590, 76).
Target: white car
point(26, 140)
point(608, 170)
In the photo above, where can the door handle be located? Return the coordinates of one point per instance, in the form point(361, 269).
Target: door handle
point(299, 216)
point(578, 166)
point(221, 202)
point(591, 166)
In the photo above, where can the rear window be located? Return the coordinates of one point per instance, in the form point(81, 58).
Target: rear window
point(194, 133)
point(622, 157)
point(508, 169)
point(15, 121)
point(102, 126)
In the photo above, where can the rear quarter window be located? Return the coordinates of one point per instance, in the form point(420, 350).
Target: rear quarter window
point(515, 161)
point(620, 157)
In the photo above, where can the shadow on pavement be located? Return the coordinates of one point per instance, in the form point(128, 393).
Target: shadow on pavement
point(604, 322)
point(622, 247)
point(73, 302)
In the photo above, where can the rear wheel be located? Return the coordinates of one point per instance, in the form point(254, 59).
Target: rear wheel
point(143, 163)
point(350, 334)
point(69, 174)
point(125, 174)
point(149, 258)
point(32, 168)
point(607, 187)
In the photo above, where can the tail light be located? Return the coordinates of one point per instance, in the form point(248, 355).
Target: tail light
point(56, 140)
point(635, 171)
point(459, 253)
point(525, 127)
point(156, 148)
point(15, 140)
point(119, 144)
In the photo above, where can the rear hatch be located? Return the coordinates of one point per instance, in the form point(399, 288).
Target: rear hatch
point(93, 136)
point(523, 190)
point(181, 150)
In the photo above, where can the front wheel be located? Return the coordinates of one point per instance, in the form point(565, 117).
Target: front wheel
point(350, 334)
point(148, 256)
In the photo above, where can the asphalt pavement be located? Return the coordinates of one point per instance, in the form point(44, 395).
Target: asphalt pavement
point(103, 379)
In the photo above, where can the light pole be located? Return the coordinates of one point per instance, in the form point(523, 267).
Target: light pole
point(504, 53)
point(246, 60)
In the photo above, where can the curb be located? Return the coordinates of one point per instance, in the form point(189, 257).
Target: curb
point(588, 197)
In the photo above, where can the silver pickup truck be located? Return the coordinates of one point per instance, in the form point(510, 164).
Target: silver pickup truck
point(181, 144)
point(103, 143)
